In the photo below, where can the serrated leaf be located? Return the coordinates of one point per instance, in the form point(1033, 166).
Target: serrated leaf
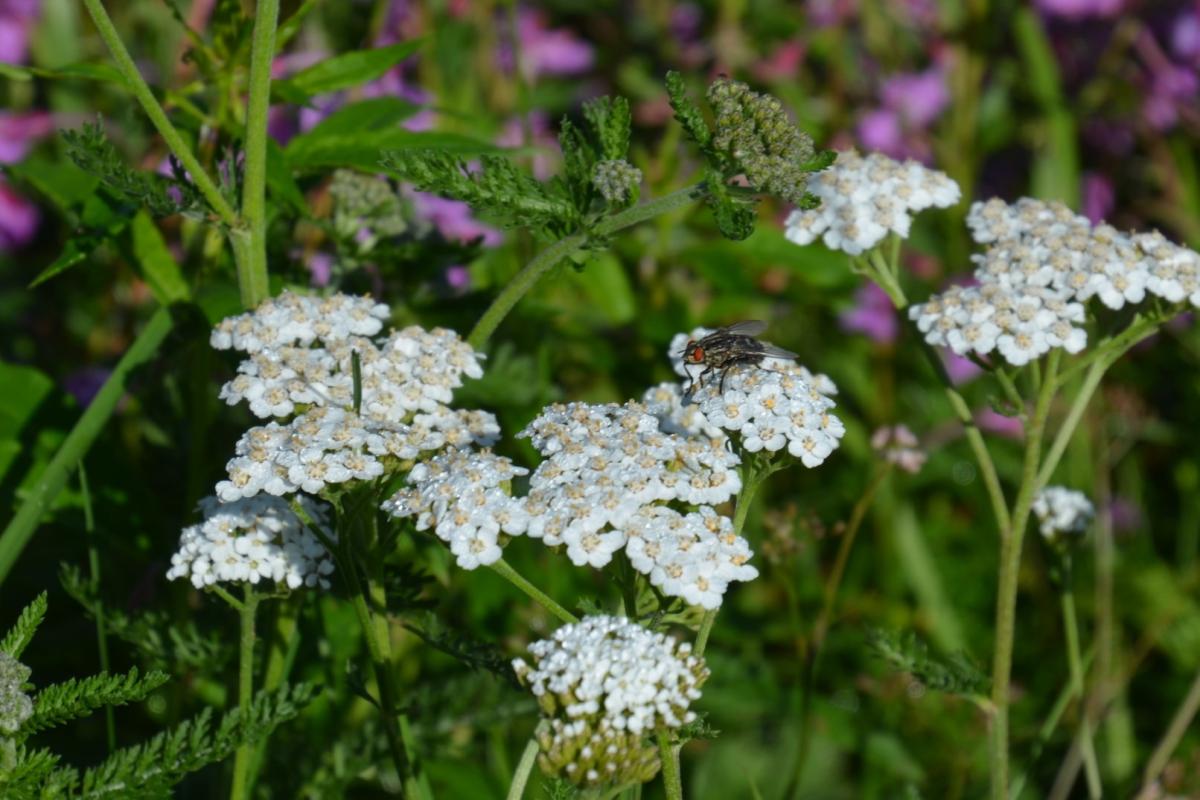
point(74, 698)
point(611, 123)
point(158, 266)
point(342, 72)
point(687, 113)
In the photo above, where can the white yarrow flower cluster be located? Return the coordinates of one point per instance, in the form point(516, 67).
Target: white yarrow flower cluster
point(864, 198)
point(1041, 266)
point(300, 361)
point(464, 497)
point(604, 685)
point(1062, 511)
point(771, 406)
point(251, 540)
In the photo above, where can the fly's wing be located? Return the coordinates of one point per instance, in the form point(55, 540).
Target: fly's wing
point(771, 351)
point(750, 327)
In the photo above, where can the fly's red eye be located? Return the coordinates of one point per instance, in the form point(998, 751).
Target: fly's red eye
point(697, 354)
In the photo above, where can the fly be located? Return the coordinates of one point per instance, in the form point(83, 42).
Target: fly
point(728, 347)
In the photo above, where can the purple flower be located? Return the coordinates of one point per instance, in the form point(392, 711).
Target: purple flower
point(1171, 87)
point(919, 97)
point(458, 277)
point(1185, 37)
point(910, 102)
point(960, 369)
point(513, 135)
point(320, 267)
point(783, 64)
point(1080, 9)
point(1125, 514)
point(828, 13)
point(18, 219)
point(872, 315)
point(84, 384)
point(546, 51)
point(452, 218)
point(18, 132)
point(17, 17)
point(1099, 197)
point(992, 422)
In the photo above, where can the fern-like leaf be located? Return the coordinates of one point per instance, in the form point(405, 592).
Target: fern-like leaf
point(60, 702)
point(611, 123)
point(956, 674)
point(21, 633)
point(688, 113)
point(28, 775)
point(150, 770)
point(93, 153)
point(498, 189)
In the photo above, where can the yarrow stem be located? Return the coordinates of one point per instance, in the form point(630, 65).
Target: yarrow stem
point(245, 751)
point(547, 259)
point(252, 273)
point(138, 86)
point(1075, 665)
point(672, 783)
point(505, 570)
point(516, 789)
point(1010, 562)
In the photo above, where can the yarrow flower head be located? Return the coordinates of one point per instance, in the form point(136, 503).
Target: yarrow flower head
point(604, 685)
point(770, 406)
point(1041, 267)
point(864, 198)
point(254, 539)
point(15, 705)
point(466, 498)
point(754, 133)
point(302, 352)
point(1063, 511)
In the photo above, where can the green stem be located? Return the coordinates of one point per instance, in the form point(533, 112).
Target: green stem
point(1067, 429)
point(52, 479)
point(1174, 734)
point(245, 752)
point(563, 248)
point(252, 273)
point(505, 570)
point(821, 627)
point(516, 789)
point(284, 644)
point(89, 527)
point(1049, 725)
point(1010, 563)
point(141, 90)
point(672, 783)
point(1075, 665)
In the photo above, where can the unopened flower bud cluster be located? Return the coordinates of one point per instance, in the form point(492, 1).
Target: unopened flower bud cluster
point(864, 198)
point(365, 206)
point(1041, 266)
point(252, 540)
point(754, 132)
point(1062, 511)
point(300, 361)
point(617, 180)
point(771, 406)
point(605, 685)
point(15, 705)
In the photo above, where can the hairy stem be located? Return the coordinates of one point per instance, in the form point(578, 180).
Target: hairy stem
point(505, 570)
point(1010, 563)
point(252, 273)
point(245, 752)
point(546, 260)
point(516, 789)
point(281, 653)
point(141, 90)
point(672, 783)
point(1075, 665)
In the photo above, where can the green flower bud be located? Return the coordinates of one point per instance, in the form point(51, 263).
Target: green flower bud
point(15, 705)
point(617, 180)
